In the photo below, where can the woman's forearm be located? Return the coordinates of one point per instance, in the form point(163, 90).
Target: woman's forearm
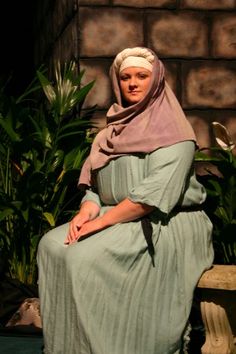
point(88, 212)
point(125, 211)
point(89, 208)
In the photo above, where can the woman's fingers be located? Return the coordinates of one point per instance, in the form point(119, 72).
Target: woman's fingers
point(81, 226)
point(90, 227)
point(74, 227)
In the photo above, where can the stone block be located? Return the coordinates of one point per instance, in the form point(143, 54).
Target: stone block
point(146, 3)
point(100, 94)
point(177, 34)
point(93, 2)
point(99, 120)
point(106, 31)
point(208, 4)
point(63, 11)
point(223, 36)
point(209, 84)
point(200, 122)
point(171, 70)
point(230, 124)
point(66, 47)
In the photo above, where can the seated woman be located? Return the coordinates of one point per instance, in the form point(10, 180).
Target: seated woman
point(119, 278)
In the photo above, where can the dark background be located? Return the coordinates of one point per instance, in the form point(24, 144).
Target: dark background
point(16, 44)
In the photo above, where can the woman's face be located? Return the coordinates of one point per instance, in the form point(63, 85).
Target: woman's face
point(134, 83)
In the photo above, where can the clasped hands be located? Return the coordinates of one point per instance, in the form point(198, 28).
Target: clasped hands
point(81, 226)
point(88, 220)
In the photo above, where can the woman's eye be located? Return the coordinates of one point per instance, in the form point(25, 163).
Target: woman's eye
point(142, 76)
point(124, 78)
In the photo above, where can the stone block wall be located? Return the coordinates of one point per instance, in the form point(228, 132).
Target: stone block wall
point(195, 39)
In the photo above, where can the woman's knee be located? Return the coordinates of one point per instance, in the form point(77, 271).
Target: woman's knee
point(53, 240)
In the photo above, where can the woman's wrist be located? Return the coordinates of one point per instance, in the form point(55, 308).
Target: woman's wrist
point(104, 221)
point(90, 210)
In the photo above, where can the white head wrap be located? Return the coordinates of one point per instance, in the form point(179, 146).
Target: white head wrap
point(138, 57)
point(137, 62)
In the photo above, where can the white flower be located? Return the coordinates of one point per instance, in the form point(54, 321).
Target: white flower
point(50, 93)
point(222, 136)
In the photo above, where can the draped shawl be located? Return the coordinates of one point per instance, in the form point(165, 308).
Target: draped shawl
point(154, 122)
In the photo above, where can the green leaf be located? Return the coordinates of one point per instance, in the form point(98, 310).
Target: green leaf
point(49, 217)
point(5, 213)
point(6, 125)
point(82, 93)
point(43, 145)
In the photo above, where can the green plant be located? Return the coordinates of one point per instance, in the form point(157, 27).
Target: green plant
point(220, 184)
point(44, 142)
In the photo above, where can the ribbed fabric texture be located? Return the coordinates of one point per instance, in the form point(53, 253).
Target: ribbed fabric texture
point(102, 295)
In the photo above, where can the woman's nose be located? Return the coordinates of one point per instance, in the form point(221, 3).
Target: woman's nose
point(133, 82)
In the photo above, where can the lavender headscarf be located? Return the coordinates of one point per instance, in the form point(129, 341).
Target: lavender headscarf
point(154, 122)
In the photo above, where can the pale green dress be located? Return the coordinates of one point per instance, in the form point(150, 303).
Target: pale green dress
point(103, 295)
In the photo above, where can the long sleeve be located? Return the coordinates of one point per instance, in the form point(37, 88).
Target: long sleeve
point(167, 178)
point(91, 196)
